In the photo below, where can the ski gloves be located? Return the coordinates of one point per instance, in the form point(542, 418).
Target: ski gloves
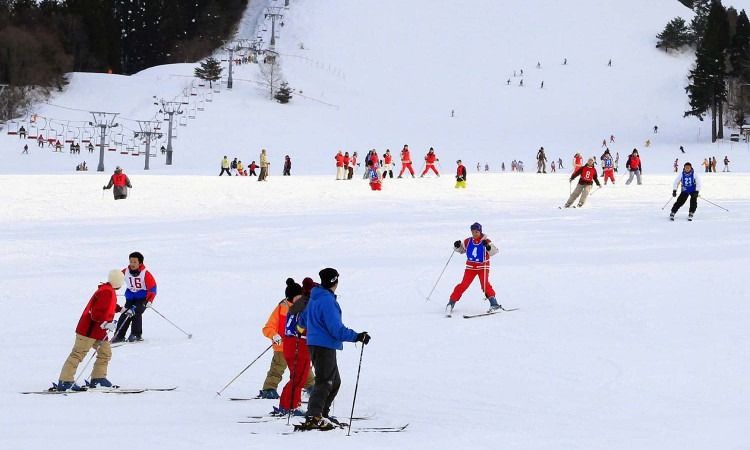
point(674, 193)
point(363, 337)
point(457, 244)
point(109, 326)
point(276, 339)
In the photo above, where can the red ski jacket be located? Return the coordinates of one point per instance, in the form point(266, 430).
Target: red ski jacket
point(430, 158)
point(588, 175)
point(119, 179)
point(100, 309)
point(339, 160)
point(346, 161)
point(405, 157)
point(387, 158)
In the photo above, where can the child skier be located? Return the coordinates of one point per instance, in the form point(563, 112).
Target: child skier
point(429, 163)
point(588, 177)
point(691, 186)
point(460, 175)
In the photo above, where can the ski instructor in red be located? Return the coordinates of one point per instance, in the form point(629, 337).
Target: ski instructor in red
point(478, 248)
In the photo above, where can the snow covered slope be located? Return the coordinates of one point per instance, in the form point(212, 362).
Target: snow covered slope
point(384, 73)
point(632, 331)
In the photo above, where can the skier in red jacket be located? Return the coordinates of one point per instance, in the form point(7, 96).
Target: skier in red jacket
point(91, 332)
point(429, 162)
point(588, 178)
point(339, 165)
point(478, 249)
point(406, 162)
point(387, 163)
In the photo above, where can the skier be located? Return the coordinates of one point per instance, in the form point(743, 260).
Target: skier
point(406, 163)
point(40, 141)
point(240, 168)
point(287, 166)
point(617, 162)
point(460, 175)
point(608, 168)
point(233, 166)
point(321, 320)
point(479, 167)
point(372, 173)
point(296, 354)
point(559, 163)
point(609, 64)
point(263, 166)
point(90, 147)
point(352, 166)
point(706, 165)
point(726, 163)
point(26, 150)
point(656, 129)
point(502, 166)
point(541, 161)
point(611, 138)
point(588, 177)
point(478, 249)
point(22, 133)
point(648, 143)
point(91, 332)
point(273, 330)
point(682, 149)
point(387, 163)
point(691, 186)
point(251, 169)
point(347, 160)
point(577, 162)
point(486, 167)
point(429, 162)
point(139, 296)
point(552, 166)
point(634, 166)
point(163, 150)
point(121, 182)
point(339, 158)
point(676, 164)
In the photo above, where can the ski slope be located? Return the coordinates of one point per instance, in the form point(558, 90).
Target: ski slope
point(632, 330)
point(384, 74)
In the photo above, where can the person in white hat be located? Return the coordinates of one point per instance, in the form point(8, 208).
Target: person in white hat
point(92, 332)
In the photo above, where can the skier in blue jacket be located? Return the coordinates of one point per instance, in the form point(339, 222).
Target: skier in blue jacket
point(326, 333)
point(691, 186)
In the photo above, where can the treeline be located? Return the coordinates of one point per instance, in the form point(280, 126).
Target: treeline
point(41, 40)
point(719, 80)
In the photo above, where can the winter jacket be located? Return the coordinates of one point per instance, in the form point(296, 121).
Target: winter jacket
point(587, 174)
point(292, 317)
point(430, 158)
point(263, 160)
point(276, 323)
point(461, 173)
point(480, 260)
point(578, 161)
point(405, 157)
point(540, 156)
point(339, 160)
point(121, 182)
point(140, 284)
point(346, 161)
point(374, 159)
point(690, 182)
point(387, 159)
point(322, 321)
point(634, 163)
point(100, 309)
point(224, 163)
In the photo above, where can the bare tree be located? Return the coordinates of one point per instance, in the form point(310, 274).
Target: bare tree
point(271, 76)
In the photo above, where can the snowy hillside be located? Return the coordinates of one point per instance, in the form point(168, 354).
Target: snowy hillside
point(382, 74)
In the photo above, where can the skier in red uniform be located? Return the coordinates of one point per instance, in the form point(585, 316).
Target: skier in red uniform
point(588, 178)
point(478, 249)
point(121, 182)
point(339, 165)
point(376, 182)
point(577, 162)
point(406, 162)
point(387, 163)
point(429, 162)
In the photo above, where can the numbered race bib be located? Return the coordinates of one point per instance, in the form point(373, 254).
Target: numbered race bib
point(136, 283)
point(475, 252)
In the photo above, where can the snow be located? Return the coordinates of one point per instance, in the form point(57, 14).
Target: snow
point(632, 330)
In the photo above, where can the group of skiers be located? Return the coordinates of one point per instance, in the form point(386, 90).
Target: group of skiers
point(305, 330)
point(97, 321)
point(709, 164)
point(377, 168)
point(237, 168)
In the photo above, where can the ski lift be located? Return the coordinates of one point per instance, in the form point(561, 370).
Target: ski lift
point(191, 113)
point(70, 136)
point(193, 91)
point(87, 135)
point(33, 132)
point(183, 121)
point(129, 147)
point(201, 83)
point(12, 128)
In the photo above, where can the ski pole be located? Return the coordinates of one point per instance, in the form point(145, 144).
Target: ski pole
point(668, 202)
point(243, 370)
point(356, 386)
point(595, 191)
point(149, 306)
point(709, 201)
point(441, 275)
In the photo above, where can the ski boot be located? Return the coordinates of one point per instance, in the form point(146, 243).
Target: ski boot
point(494, 305)
point(134, 338)
point(690, 217)
point(315, 423)
point(449, 308)
point(66, 386)
point(671, 216)
point(336, 422)
point(268, 393)
point(100, 382)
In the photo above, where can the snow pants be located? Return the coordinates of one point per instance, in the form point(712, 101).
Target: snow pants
point(428, 167)
point(404, 167)
point(540, 167)
point(681, 201)
point(136, 321)
point(376, 186)
point(637, 174)
point(263, 174)
point(327, 381)
point(461, 184)
point(275, 372)
point(298, 360)
point(339, 172)
point(581, 190)
point(609, 174)
point(469, 275)
point(80, 349)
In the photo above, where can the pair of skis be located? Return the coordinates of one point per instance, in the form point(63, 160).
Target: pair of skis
point(449, 313)
point(103, 390)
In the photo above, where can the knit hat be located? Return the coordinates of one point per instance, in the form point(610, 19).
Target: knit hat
point(476, 226)
point(307, 285)
point(116, 278)
point(292, 289)
point(328, 277)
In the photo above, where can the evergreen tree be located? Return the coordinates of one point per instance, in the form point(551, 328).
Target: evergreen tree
point(688, 3)
point(698, 24)
point(707, 90)
point(284, 93)
point(209, 70)
point(739, 47)
point(675, 35)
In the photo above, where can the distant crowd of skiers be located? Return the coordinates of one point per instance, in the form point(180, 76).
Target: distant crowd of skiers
point(237, 168)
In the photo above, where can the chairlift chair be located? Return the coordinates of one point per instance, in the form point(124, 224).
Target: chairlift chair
point(13, 128)
point(33, 131)
point(193, 91)
point(191, 113)
point(70, 136)
point(87, 135)
point(183, 121)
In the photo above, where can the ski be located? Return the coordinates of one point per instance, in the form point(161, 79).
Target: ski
point(103, 390)
point(488, 313)
point(380, 429)
point(268, 418)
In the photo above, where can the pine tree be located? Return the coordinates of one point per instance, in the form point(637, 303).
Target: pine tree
point(688, 3)
point(284, 93)
point(209, 70)
point(739, 48)
point(675, 35)
point(708, 79)
point(698, 24)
